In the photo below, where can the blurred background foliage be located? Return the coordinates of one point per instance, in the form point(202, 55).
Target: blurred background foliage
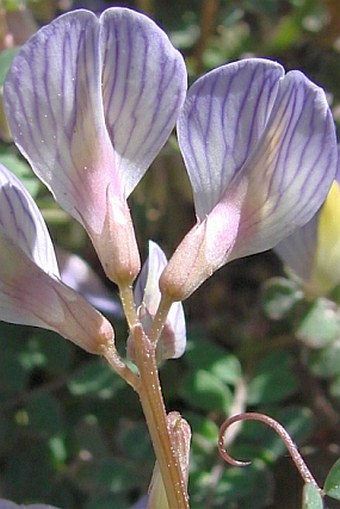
point(71, 433)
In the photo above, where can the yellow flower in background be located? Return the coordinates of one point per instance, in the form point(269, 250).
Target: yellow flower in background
point(313, 251)
point(326, 266)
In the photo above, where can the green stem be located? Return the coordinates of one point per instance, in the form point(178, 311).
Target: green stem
point(154, 410)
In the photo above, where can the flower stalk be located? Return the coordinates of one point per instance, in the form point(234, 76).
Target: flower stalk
point(152, 402)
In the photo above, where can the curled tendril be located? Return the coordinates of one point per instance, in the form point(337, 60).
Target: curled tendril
point(280, 430)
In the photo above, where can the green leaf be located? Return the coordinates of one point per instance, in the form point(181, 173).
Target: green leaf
point(332, 483)
point(88, 440)
point(6, 432)
point(334, 387)
point(108, 502)
point(22, 170)
point(325, 362)
point(320, 325)
point(298, 422)
point(44, 414)
point(248, 487)
point(215, 359)
point(273, 380)
point(280, 295)
point(28, 471)
point(135, 442)
point(6, 57)
point(204, 433)
point(95, 378)
point(116, 475)
point(46, 349)
point(204, 390)
point(311, 497)
point(13, 376)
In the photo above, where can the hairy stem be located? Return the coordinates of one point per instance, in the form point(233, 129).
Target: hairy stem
point(154, 410)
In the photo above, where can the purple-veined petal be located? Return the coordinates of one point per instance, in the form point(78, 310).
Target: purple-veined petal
point(22, 222)
point(30, 296)
point(52, 97)
point(144, 85)
point(222, 120)
point(90, 103)
point(291, 170)
point(278, 183)
point(30, 291)
point(298, 251)
point(287, 168)
point(172, 341)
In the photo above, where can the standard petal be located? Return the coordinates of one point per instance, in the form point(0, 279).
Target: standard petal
point(222, 120)
point(22, 222)
point(52, 97)
point(91, 102)
point(144, 85)
point(290, 170)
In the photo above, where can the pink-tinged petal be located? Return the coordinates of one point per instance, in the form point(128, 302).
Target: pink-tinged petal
point(90, 102)
point(22, 222)
point(172, 341)
point(202, 251)
point(30, 296)
point(248, 197)
point(78, 74)
point(144, 85)
point(30, 291)
point(222, 121)
point(52, 97)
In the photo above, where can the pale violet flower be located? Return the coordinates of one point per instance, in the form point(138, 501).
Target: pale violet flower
point(31, 292)
point(172, 341)
point(77, 273)
point(90, 102)
point(313, 251)
point(260, 149)
point(7, 504)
